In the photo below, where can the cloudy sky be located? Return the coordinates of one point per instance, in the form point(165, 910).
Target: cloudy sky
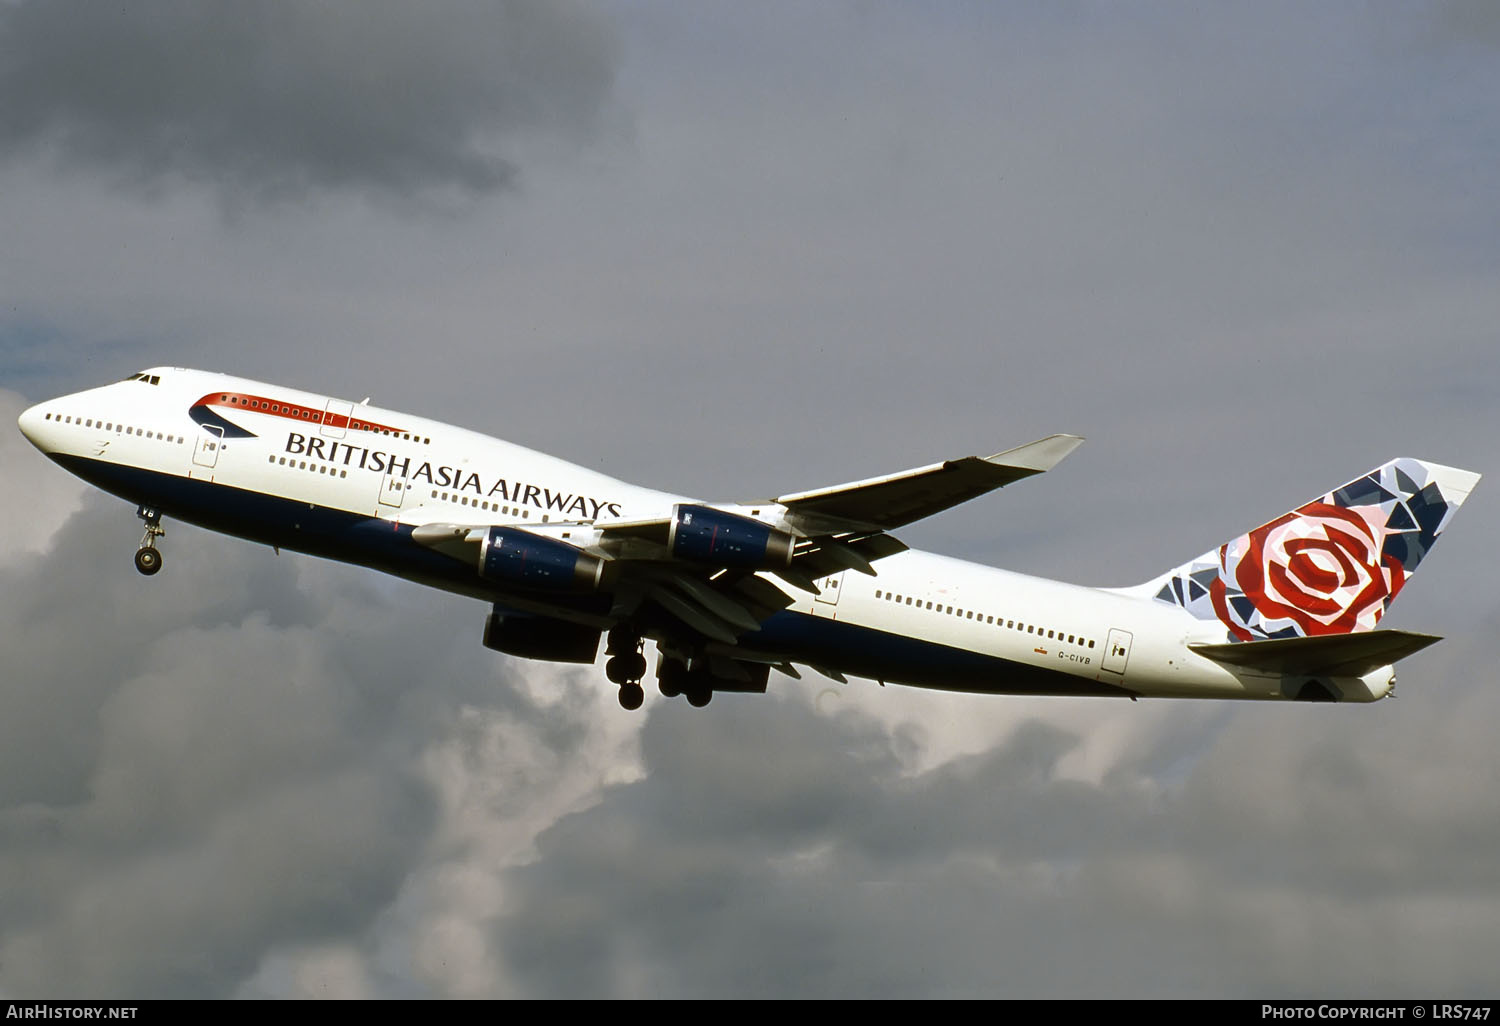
point(739, 250)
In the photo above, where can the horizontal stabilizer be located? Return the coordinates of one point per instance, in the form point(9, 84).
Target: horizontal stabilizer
point(1332, 655)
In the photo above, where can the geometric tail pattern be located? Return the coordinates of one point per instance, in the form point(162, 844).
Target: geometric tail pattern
point(1331, 566)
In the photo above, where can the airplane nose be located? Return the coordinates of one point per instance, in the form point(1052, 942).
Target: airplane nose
point(32, 423)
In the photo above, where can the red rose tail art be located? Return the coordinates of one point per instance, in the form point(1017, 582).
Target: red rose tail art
point(1331, 566)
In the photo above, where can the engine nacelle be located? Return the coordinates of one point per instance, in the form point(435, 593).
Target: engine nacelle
point(541, 637)
point(515, 556)
point(703, 534)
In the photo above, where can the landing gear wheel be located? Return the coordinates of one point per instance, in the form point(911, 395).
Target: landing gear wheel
point(147, 559)
point(699, 695)
point(632, 696)
point(625, 669)
point(670, 676)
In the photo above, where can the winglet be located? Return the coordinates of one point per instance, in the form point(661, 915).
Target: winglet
point(1039, 456)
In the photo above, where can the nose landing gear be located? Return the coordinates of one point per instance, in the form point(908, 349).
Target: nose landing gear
point(148, 557)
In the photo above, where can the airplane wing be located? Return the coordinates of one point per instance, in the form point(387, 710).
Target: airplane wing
point(884, 503)
point(699, 563)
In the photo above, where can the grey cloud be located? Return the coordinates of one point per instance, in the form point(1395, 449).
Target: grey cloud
point(236, 759)
point(797, 858)
point(1242, 298)
point(196, 772)
point(277, 99)
point(1469, 23)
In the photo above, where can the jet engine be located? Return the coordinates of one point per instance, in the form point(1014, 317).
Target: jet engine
point(519, 557)
point(541, 637)
point(702, 534)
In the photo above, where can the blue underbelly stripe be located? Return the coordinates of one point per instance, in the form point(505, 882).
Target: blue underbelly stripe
point(387, 546)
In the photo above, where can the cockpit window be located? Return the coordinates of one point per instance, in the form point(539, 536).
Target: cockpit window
point(150, 379)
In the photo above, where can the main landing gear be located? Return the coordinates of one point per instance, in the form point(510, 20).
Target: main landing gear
point(693, 676)
point(674, 678)
point(626, 665)
point(147, 557)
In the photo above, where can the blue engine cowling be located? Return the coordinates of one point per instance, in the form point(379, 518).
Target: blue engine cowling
point(520, 557)
point(703, 534)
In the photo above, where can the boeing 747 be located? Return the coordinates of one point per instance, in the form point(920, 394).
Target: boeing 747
point(568, 558)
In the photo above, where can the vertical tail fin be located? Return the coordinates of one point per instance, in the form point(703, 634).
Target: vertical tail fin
point(1332, 565)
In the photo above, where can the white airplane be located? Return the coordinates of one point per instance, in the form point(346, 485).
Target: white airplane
point(728, 591)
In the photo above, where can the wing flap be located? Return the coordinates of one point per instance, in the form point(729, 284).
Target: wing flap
point(1334, 655)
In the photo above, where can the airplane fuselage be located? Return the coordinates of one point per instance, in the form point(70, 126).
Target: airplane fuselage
point(347, 481)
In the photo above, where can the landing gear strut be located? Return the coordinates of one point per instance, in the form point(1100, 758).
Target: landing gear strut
point(147, 557)
point(626, 665)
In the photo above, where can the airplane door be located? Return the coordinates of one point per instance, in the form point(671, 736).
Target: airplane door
point(336, 418)
point(826, 602)
point(206, 453)
point(392, 491)
point(1116, 651)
